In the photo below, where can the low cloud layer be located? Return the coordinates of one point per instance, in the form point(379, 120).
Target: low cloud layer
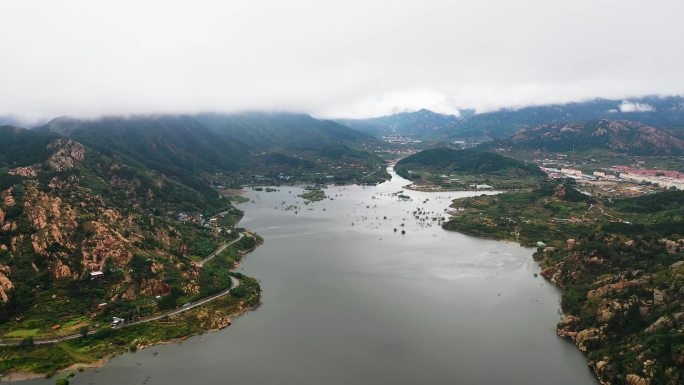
point(627, 106)
point(349, 58)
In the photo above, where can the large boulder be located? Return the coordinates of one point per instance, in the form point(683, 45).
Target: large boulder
point(633, 379)
point(660, 324)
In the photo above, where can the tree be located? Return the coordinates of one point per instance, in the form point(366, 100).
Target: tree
point(83, 331)
point(27, 342)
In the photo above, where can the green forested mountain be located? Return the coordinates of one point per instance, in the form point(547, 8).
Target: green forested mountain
point(263, 130)
point(171, 144)
point(619, 136)
point(186, 149)
point(447, 160)
point(68, 210)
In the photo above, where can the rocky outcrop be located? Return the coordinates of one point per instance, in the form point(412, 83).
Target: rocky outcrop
point(52, 220)
point(67, 154)
point(619, 286)
point(660, 324)
point(60, 270)
point(153, 287)
point(26, 172)
point(5, 286)
point(105, 242)
point(7, 197)
point(633, 379)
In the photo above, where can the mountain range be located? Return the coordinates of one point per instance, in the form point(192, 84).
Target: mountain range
point(419, 124)
point(666, 113)
point(619, 136)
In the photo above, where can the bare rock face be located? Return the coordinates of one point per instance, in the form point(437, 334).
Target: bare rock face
point(153, 287)
point(131, 293)
point(619, 286)
point(658, 297)
point(67, 154)
point(553, 274)
point(8, 198)
point(60, 270)
point(5, 286)
point(633, 379)
point(26, 172)
point(660, 324)
point(105, 242)
point(52, 220)
point(586, 336)
point(671, 246)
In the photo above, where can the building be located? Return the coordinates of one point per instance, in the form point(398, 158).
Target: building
point(96, 275)
point(571, 171)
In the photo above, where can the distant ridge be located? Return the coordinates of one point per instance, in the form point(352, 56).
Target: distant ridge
point(422, 123)
point(620, 136)
point(259, 130)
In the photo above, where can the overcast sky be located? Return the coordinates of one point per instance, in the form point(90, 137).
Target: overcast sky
point(348, 58)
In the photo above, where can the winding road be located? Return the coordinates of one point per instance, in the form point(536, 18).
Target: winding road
point(234, 282)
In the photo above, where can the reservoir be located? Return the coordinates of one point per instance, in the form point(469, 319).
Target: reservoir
point(349, 301)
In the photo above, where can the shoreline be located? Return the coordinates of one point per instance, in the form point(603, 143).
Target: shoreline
point(25, 376)
point(443, 190)
point(15, 376)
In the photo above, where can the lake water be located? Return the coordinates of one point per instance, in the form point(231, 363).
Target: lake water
point(346, 300)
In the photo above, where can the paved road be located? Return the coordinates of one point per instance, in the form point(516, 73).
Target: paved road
point(234, 282)
point(219, 250)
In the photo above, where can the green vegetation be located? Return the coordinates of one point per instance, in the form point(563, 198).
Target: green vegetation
point(74, 210)
point(22, 333)
point(617, 264)
point(460, 169)
point(107, 342)
point(313, 194)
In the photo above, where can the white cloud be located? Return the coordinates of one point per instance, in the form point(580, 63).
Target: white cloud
point(392, 103)
point(627, 106)
point(331, 58)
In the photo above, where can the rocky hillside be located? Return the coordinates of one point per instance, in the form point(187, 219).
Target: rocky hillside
point(663, 112)
point(620, 267)
point(619, 136)
point(69, 210)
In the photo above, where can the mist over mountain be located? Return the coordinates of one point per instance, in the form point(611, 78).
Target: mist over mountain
point(259, 130)
point(419, 124)
point(662, 112)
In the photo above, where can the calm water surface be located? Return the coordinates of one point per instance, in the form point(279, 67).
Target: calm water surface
point(347, 301)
